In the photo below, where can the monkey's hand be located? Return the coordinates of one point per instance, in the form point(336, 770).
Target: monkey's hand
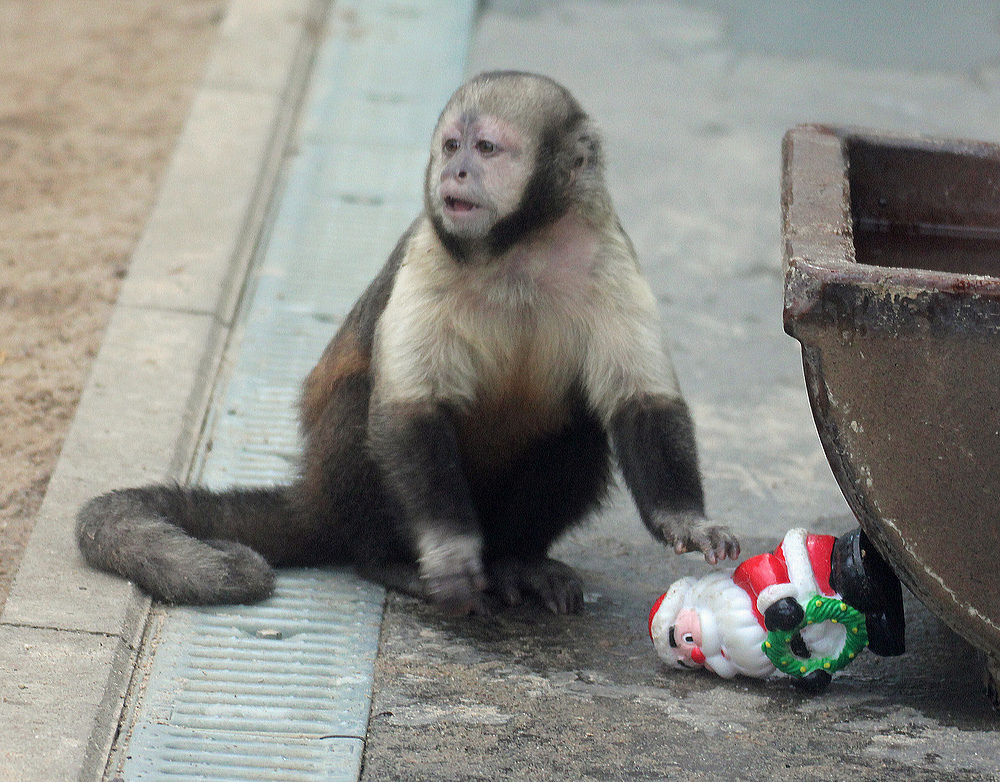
point(451, 570)
point(692, 532)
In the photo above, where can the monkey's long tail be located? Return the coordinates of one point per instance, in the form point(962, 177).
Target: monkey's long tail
point(188, 544)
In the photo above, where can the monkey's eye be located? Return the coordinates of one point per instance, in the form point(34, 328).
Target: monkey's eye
point(486, 147)
point(451, 145)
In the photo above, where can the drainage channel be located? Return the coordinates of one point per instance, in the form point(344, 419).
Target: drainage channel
point(282, 690)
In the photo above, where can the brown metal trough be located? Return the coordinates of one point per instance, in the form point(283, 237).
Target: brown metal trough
point(892, 285)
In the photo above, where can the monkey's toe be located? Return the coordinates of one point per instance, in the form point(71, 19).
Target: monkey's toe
point(555, 584)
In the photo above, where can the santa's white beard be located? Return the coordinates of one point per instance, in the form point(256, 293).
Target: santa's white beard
point(731, 637)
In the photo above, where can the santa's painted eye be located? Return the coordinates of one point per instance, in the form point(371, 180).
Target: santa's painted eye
point(688, 638)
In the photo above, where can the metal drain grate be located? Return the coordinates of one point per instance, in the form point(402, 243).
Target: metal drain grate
point(280, 690)
point(224, 756)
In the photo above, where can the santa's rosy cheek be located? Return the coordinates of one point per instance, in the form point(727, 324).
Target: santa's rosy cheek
point(697, 656)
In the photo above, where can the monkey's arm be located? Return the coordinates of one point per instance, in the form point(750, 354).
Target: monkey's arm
point(654, 440)
point(631, 383)
point(416, 448)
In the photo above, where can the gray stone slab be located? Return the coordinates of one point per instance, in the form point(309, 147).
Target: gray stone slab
point(197, 244)
point(258, 43)
point(189, 256)
point(52, 686)
point(144, 397)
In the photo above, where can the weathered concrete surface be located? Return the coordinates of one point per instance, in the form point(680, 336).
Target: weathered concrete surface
point(527, 696)
point(693, 99)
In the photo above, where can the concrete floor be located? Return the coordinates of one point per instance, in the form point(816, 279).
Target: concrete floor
point(693, 99)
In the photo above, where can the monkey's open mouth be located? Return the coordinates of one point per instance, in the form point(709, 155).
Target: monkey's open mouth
point(458, 205)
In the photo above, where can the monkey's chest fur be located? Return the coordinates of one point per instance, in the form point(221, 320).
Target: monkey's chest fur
point(528, 395)
point(501, 344)
point(521, 333)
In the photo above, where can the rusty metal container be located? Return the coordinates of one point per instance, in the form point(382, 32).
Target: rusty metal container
point(892, 285)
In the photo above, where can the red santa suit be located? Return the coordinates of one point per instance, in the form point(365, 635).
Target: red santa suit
point(799, 568)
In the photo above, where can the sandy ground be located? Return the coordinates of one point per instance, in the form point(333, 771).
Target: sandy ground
point(93, 95)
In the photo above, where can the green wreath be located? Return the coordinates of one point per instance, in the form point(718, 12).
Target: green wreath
point(818, 609)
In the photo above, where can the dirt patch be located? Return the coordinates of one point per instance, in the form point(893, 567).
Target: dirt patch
point(94, 95)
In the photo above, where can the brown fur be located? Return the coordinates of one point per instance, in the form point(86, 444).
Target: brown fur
point(342, 359)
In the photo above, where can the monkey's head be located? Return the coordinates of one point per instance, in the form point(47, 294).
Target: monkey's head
point(511, 153)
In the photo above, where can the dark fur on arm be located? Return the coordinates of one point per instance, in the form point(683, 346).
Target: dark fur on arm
point(654, 441)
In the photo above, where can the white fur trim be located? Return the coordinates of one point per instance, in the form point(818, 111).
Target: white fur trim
point(770, 595)
point(800, 570)
point(659, 628)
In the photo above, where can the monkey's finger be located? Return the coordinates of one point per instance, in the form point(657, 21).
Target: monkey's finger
point(718, 544)
point(724, 543)
point(715, 543)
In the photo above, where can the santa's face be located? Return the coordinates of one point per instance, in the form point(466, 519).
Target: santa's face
point(685, 639)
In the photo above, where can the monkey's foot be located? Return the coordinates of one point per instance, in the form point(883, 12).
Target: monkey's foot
point(452, 572)
point(552, 582)
point(687, 532)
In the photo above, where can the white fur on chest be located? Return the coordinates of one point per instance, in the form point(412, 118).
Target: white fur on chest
point(560, 310)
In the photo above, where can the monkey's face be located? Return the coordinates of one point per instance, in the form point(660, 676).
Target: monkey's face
point(477, 174)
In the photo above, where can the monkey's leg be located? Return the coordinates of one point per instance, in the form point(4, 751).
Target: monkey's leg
point(559, 480)
point(416, 446)
point(654, 441)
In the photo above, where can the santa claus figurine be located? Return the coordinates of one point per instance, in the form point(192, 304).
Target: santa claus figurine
point(806, 610)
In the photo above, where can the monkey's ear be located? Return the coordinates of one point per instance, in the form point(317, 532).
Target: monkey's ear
point(586, 149)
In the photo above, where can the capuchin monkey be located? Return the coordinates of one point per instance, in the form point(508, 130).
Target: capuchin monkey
point(466, 412)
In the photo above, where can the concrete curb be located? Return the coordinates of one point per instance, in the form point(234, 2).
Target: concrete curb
point(70, 635)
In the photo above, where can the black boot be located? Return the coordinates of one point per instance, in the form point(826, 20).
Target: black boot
point(866, 582)
point(814, 683)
